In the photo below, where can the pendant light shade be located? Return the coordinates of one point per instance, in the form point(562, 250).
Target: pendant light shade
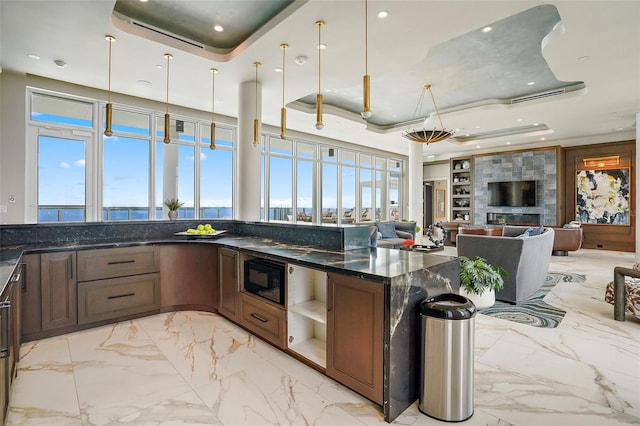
point(366, 79)
point(167, 119)
point(212, 144)
point(283, 110)
point(109, 115)
point(425, 135)
point(319, 123)
point(256, 135)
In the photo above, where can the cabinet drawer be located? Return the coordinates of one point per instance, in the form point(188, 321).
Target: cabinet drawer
point(118, 297)
point(117, 262)
point(263, 319)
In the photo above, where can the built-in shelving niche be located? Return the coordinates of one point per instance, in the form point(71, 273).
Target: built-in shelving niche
point(307, 313)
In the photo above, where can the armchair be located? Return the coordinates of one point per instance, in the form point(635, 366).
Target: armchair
point(624, 292)
point(526, 260)
point(395, 233)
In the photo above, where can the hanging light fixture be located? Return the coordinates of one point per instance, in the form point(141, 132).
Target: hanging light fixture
point(366, 80)
point(319, 123)
point(107, 129)
point(167, 119)
point(283, 110)
point(212, 144)
point(425, 135)
point(255, 120)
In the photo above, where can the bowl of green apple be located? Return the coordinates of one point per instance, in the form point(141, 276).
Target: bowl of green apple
point(203, 230)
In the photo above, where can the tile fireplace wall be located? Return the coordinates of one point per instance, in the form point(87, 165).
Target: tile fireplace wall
point(540, 166)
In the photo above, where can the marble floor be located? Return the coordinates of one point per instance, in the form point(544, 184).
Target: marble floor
point(193, 368)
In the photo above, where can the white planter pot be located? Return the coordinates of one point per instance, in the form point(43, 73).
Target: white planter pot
point(485, 300)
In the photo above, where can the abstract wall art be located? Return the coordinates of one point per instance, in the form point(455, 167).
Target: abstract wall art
point(603, 196)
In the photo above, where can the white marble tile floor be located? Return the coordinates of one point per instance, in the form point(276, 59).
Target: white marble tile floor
point(195, 368)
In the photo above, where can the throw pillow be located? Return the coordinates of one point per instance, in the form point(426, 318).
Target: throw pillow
point(388, 230)
point(535, 231)
point(405, 235)
point(524, 235)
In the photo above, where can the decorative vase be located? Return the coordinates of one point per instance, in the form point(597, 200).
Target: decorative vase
point(482, 301)
point(173, 214)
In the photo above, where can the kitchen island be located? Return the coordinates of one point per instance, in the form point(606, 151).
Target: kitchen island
point(404, 278)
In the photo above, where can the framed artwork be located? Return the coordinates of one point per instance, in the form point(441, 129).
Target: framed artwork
point(441, 204)
point(603, 196)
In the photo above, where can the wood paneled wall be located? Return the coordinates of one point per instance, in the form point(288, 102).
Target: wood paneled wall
point(601, 236)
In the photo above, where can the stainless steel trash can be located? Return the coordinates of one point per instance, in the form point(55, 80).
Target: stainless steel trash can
point(446, 357)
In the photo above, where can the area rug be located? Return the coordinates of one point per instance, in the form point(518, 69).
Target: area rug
point(535, 311)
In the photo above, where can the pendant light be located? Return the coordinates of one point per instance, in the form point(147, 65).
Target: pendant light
point(255, 120)
point(319, 123)
point(425, 135)
point(366, 80)
point(283, 110)
point(167, 119)
point(212, 144)
point(107, 129)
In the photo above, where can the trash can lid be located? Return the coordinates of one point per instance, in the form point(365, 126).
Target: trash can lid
point(448, 306)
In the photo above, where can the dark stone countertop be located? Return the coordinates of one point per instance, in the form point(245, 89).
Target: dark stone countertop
point(377, 264)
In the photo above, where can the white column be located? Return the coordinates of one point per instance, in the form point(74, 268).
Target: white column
point(248, 188)
point(637, 192)
point(416, 204)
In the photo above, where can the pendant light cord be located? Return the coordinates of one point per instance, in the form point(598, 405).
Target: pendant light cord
point(284, 48)
point(319, 55)
point(168, 56)
point(366, 37)
point(109, 88)
point(213, 91)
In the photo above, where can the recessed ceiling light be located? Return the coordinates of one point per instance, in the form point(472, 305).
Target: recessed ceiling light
point(531, 83)
point(583, 58)
point(159, 66)
point(382, 14)
point(486, 29)
point(218, 28)
point(508, 143)
point(33, 56)
point(60, 63)
point(536, 124)
point(143, 82)
point(543, 139)
point(620, 128)
point(143, 1)
point(278, 69)
point(301, 60)
point(477, 127)
point(322, 46)
point(431, 156)
point(477, 146)
point(327, 90)
point(518, 119)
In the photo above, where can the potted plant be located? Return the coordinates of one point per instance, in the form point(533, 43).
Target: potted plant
point(173, 204)
point(479, 281)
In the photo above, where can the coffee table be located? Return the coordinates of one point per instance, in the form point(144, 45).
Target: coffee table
point(422, 248)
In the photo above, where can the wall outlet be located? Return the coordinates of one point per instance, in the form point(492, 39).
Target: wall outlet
point(12, 198)
point(3, 208)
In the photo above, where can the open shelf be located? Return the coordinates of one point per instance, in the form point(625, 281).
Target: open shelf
point(313, 309)
point(315, 350)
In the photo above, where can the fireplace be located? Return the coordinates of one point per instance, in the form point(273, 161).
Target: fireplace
point(524, 219)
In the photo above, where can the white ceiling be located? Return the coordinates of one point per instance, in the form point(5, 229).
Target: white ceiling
point(596, 42)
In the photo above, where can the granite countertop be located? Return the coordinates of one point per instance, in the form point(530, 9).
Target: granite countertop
point(378, 264)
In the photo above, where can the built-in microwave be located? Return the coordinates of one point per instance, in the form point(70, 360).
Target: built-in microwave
point(265, 278)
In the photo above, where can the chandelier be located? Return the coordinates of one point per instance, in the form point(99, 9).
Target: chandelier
point(425, 135)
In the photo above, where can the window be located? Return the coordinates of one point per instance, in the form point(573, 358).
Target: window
point(61, 179)
point(77, 174)
point(216, 174)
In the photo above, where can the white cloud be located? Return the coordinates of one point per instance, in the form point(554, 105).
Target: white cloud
point(79, 163)
point(64, 165)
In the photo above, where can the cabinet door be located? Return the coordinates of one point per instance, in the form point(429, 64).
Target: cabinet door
point(59, 297)
point(31, 302)
point(189, 276)
point(15, 320)
point(228, 267)
point(355, 322)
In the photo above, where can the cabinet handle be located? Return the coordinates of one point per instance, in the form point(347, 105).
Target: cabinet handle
point(119, 262)
point(5, 308)
point(70, 267)
point(259, 318)
point(117, 296)
point(15, 278)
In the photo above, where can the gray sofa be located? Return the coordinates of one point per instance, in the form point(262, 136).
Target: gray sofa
point(525, 259)
point(403, 231)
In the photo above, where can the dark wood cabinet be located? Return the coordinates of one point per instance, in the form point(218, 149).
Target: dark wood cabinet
point(189, 277)
point(355, 323)
point(9, 336)
point(31, 311)
point(59, 289)
point(263, 319)
point(118, 283)
point(229, 273)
